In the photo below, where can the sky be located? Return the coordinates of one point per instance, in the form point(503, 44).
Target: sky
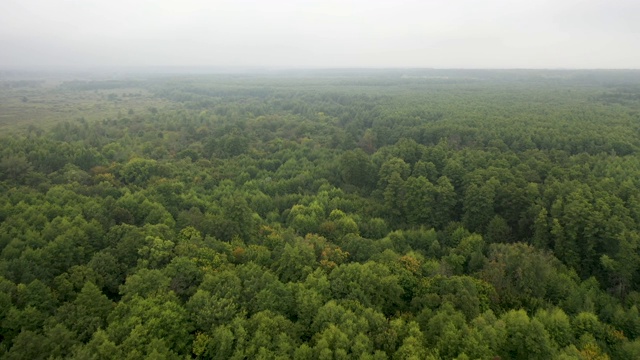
point(320, 34)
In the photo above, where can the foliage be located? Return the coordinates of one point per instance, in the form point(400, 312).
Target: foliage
point(401, 214)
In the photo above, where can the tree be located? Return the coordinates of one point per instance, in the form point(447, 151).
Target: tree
point(371, 284)
point(466, 294)
point(445, 202)
point(137, 322)
point(87, 313)
point(419, 201)
point(139, 171)
point(478, 205)
point(526, 338)
point(541, 232)
point(208, 310)
point(356, 169)
point(558, 325)
point(145, 283)
point(185, 275)
point(520, 274)
point(393, 165)
point(110, 274)
point(624, 267)
point(15, 168)
point(295, 262)
point(394, 197)
point(498, 231)
point(100, 347)
point(28, 345)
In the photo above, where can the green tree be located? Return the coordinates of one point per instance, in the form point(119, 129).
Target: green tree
point(87, 313)
point(526, 338)
point(371, 284)
point(478, 205)
point(295, 262)
point(356, 169)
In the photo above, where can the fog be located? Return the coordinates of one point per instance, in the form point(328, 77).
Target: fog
point(325, 34)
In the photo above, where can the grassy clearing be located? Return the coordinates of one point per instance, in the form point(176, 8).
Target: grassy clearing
point(48, 103)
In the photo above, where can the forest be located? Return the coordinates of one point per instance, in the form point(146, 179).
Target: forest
point(328, 214)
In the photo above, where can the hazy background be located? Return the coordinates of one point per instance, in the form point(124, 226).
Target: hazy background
point(309, 33)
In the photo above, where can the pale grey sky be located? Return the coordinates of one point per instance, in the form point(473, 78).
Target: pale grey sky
point(331, 33)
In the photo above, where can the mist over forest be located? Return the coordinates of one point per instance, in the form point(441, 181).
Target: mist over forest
point(270, 213)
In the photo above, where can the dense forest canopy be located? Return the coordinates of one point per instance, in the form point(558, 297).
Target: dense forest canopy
point(400, 214)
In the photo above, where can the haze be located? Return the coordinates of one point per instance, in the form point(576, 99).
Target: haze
point(310, 34)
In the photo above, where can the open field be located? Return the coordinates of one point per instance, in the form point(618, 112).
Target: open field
point(46, 103)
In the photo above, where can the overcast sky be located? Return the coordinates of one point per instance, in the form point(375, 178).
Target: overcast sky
point(310, 33)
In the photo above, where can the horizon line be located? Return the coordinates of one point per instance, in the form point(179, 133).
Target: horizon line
point(289, 68)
